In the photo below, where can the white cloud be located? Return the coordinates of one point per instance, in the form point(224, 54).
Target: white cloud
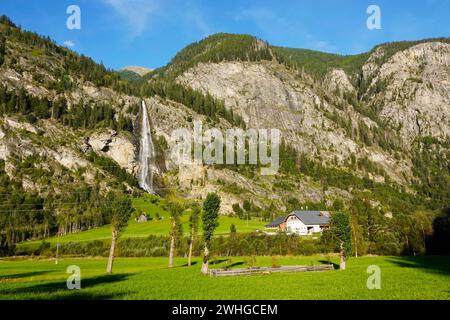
point(69, 43)
point(136, 13)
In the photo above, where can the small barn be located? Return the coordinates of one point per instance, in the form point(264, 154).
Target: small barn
point(142, 218)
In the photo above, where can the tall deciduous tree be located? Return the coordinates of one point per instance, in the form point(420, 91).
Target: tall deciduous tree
point(175, 210)
point(193, 224)
point(423, 221)
point(340, 233)
point(232, 239)
point(210, 218)
point(121, 213)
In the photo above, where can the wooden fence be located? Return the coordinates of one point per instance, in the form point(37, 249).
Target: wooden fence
point(269, 270)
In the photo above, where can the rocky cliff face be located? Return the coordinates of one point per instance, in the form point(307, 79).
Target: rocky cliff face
point(408, 93)
point(51, 151)
point(117, 146)
point(267, 95)
point(416, 89)
point(337, 80)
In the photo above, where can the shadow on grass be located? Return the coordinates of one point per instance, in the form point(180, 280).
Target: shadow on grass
point(58, 289)
point(218, 261)
point(434, 264)
point(212, 262)
point(77, 295)
point(23, 275)
point(335, 265)
point(193, 263)
point(236, 264)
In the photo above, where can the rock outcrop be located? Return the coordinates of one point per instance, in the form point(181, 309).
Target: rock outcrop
point(414, 90)
point(115, 146)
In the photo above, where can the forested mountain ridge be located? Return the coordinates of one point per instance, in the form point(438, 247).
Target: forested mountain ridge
point(69, 131)
point(215, 48)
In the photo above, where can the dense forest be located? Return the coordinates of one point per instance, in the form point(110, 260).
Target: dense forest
point(81, 115)
point(25, 215)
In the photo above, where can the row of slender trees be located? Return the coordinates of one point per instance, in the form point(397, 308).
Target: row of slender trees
point(339, 233)
point(122, 210)
point(209, 216)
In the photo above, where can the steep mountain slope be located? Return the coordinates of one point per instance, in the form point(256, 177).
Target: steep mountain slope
point(367, 132)
point(324, 115)
point(357, 118)
point(411, 89)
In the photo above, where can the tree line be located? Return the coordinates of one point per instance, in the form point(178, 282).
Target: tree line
point(28, 215)
point(200, 103)
point(80, 115)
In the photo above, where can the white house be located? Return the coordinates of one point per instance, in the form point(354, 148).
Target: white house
point(301, 222)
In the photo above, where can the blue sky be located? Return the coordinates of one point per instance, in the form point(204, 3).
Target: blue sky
point(150, 32)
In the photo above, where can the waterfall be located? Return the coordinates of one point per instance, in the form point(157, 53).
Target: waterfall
point(146, 153)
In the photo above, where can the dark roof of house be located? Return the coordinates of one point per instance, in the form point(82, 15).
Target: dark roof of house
point(307, 217)
point(313, 217)
point(275, 223)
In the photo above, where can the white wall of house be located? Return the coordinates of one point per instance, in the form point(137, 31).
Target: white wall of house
point(294, 225)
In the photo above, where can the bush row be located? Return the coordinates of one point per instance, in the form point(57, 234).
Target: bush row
point(158, 246)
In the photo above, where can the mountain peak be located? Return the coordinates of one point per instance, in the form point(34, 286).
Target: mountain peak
point(142, 71)
point(216, 48)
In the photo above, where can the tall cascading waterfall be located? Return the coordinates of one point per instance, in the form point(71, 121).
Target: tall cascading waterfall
point(146, 153)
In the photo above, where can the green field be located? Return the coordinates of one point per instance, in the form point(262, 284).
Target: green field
point(424, 277)
point(149, 278)
point(152, 227)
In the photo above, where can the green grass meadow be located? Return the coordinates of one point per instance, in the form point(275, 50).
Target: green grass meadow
point(151, 227)
point(426, 277)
